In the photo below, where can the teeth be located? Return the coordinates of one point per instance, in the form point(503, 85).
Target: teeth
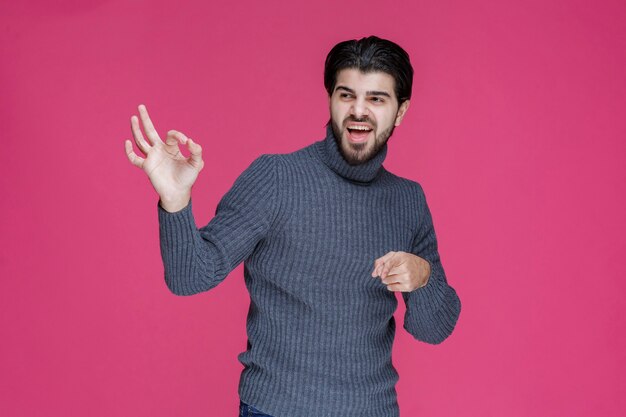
point(359, 128)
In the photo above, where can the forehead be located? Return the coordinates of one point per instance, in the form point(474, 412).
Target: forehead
point(365, 81)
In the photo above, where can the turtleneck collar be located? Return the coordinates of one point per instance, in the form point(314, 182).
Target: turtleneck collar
point(331, 156)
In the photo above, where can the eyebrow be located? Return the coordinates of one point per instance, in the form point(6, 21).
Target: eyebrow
point(367, 93)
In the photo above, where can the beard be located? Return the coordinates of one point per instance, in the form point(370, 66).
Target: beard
point(360, 153)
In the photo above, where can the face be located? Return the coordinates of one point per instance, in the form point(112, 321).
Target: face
point(364, 111)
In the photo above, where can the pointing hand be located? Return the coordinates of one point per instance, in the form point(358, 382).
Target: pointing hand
point(402, 271)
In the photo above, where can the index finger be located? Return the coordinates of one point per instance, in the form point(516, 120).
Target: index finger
point(147, 124)
point(390, 261)
point(386, 257)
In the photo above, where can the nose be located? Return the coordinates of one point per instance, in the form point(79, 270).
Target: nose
point(359, 109)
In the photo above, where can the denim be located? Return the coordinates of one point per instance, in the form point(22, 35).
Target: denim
point(246, 410)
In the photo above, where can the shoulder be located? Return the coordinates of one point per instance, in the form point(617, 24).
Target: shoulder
point(262, 165)
point(290, 163)
point(306, 152)
point(407, 184)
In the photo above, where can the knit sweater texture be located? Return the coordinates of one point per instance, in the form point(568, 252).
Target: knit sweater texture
point(308, 227)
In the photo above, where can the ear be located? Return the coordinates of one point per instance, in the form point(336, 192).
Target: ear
point(401, 112)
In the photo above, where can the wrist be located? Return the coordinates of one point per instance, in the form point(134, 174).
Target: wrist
point(428, 268)
point(175, 203)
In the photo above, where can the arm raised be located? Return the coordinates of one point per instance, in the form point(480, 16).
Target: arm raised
point(197, 260)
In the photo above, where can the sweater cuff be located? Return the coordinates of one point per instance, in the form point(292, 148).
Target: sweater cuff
point(167, 216)
point(161, 209)
point(178, 226)
point(433, 310)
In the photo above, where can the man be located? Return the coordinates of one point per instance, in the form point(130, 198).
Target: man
point(327, 236)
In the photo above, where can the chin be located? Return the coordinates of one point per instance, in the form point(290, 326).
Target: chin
point(356, 155)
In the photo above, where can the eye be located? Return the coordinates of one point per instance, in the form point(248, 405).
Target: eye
point(345, 95)
point(377, 100)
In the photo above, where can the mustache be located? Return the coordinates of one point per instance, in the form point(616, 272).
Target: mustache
point(358, 120)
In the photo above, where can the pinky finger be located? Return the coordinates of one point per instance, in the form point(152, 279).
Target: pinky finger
point(132, 156)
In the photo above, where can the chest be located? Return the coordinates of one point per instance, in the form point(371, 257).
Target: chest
point(329, 238)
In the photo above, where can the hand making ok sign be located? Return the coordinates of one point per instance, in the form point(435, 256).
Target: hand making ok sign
point(172, 175)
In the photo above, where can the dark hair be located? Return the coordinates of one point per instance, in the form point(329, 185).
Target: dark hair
point(371, 54)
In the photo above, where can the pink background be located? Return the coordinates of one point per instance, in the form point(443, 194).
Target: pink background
point(517, 131)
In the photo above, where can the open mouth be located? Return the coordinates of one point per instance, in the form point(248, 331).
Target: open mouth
point(358, 133)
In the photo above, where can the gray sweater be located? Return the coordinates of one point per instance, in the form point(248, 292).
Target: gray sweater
point(308, 228)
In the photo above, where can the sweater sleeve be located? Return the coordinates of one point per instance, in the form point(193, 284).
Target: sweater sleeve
point(196, 260)
point(433, 310)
